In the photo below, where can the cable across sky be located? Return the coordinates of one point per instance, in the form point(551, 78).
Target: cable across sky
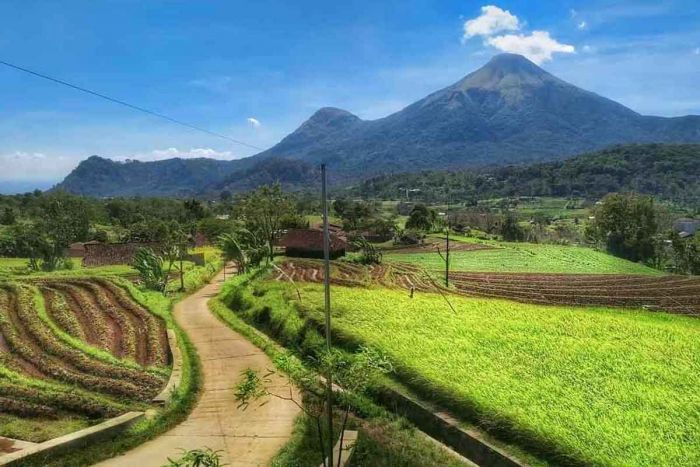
point(126, 104)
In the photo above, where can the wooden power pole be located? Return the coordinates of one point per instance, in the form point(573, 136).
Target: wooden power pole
point(327, 296)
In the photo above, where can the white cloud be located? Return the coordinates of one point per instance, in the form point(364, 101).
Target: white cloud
point(588, 49)
point(491, 21)
point(538, 46)
point(21, 165)
point(254, 122)
point(582, 25)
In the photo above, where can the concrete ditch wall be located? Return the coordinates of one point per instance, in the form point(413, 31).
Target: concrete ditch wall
point(74, 440)
point(175, 374)
point(442, 426)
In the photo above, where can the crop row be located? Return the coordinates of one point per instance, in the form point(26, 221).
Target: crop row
point(24, 408)
point(32, 341)
point(60, 312)
point(67, 400)
point(126, 335)
point(669, 293)
point(121, 325)
point(97, 330)
point(156, 337)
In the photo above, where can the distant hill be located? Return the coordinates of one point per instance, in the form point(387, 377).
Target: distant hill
point(509, 111)
point(97, 176)
point(670, 171)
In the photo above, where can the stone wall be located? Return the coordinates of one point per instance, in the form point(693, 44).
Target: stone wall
point(106, 254)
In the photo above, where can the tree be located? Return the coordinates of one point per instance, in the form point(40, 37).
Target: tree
point(194, 210)
point(8, 216)
point(244, 248)
point(685, 254)
point(354, 373)
point(262, 212)
point(152, 270)
point(511, 230)
point(369, 254)
point(627, 225)
point(64, 219)
point(421, 218)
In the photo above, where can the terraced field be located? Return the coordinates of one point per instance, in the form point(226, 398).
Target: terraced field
point(523, 258)
point(77, 348)
point(676, 294)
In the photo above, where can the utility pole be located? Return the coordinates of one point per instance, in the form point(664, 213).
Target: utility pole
point(447, 243)
point(327, 296)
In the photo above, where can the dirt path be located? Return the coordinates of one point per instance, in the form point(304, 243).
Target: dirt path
point(246, 438)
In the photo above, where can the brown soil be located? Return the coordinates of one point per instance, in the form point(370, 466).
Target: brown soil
point(431, 245)
point(675, 294)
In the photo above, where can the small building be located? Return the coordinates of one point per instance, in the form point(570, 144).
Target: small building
point(77, 249)
point(686, 227)
point(308, 243)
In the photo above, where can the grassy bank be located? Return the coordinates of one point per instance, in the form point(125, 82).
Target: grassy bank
point(385, 440)
point(184, 398)
point(577, 385)
point(527, 257)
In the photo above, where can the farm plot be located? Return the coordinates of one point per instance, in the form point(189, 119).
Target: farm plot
point(77, 349)
point(527, 257)
point(431, 245)
point(674, 294)
point(579, 388)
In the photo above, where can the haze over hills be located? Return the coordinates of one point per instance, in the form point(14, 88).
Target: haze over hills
point(509, 111)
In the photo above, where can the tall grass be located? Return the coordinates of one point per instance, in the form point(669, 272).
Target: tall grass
point(529, 258)
point(592, 386)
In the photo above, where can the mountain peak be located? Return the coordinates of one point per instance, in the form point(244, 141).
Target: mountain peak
point(330, 117)
point(506, 70)
point(331, 113)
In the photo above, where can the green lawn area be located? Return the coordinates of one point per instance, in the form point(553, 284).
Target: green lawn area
point(529, 257)
point(18, 267)
point(599, 386)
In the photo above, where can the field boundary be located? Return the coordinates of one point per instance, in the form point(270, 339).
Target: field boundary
point(176, 373)
point(76, 439)
point(443, 426)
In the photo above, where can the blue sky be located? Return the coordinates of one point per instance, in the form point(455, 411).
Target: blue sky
point(219, 64)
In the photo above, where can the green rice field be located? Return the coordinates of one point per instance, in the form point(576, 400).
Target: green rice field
point(594, 386)
point(528, 257)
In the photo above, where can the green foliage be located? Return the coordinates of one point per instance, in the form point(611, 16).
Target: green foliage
point(526, 257)
point(511, 230)
point(568, 382)
point(243, 247)
point(668, 171)
point(8, 216)
point(263, 211)
point(422, 218)
point(151, 268)
point(250, 388)
point(627, 225)
point(685, 254)
point(369, 254)
point(204, 457)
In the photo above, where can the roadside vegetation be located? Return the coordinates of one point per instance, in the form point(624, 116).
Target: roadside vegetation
point(564, 382)
point(524, 257)
point(385, 439)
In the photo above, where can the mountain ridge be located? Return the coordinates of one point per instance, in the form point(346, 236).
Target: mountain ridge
point(510, 111)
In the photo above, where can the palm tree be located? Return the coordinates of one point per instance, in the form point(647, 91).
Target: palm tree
point(243, 247)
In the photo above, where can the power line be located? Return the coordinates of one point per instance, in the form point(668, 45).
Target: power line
point(126, 104)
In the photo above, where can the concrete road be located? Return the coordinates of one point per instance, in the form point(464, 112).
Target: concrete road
point(249, 437)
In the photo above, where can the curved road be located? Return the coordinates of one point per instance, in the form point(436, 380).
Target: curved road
point(248, 437)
